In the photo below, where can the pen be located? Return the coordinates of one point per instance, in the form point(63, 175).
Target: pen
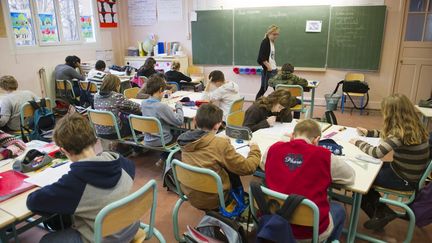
point(247, 145)
point(59, 164)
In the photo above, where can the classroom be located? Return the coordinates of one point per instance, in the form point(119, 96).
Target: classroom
point(215, 121)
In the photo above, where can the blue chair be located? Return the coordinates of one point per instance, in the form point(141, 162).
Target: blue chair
point(126, 211)
point(175, 84)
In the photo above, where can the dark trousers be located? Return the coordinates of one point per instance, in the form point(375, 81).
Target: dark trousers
point(386, 178)
point(265, 76)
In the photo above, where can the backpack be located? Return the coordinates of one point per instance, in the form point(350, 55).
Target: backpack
point(422, 206)
point(42, 123)
point(331, 145)
point(275, 227)
point(213, 228)
point(86, 97)
point(355, 86)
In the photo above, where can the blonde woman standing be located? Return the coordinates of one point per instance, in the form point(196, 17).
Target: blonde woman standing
point(267, 58)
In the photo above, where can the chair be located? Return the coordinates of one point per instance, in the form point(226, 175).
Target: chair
point(330, 117)
point(93, 89)
point(124, 212)
point(404, 198)
point(66, 87)
point(199, 179)
point(306, 214)
point(353, 77)
point(235, 119)
point(131, 93)
point(174, 84)
point(103, 118)
point(237, 105)
point(296, 91)
point(153, 126)
point(27, 111)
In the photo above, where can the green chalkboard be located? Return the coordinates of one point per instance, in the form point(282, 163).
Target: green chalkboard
point(294, 45)
point(212, 37)
point(356, 37)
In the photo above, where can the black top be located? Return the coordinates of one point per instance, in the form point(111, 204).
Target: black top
point(146, 72)
point(176, 76)
point(256, 117)
point(264, 53)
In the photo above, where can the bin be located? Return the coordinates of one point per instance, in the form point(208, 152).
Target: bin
point(332, 101)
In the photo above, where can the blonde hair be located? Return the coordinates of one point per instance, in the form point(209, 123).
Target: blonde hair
point(308, 128)
point(8, 83)
point(175, 65)
point(281, 96)
point(110, 83)
point(402, 121)
point(272, 28)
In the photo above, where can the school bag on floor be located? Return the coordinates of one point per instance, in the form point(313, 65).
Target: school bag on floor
point(213, 228)
point(275, 227)
point(422, 206)
point(41, 124)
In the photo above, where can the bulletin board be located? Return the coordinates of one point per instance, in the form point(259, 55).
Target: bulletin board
point(2, 23)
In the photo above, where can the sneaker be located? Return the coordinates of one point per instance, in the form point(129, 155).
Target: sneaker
point(379, 223)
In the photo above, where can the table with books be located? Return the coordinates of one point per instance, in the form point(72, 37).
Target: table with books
point(365, 171)
point(426, 113)
point(13, 208)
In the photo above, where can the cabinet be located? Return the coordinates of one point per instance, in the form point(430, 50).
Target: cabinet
point(162, 63)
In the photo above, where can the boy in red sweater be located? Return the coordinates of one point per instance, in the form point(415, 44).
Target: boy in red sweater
point(301, 167)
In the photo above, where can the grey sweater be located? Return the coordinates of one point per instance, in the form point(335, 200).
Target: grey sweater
point(152, 107)
point(10, 106)
point(66, 72)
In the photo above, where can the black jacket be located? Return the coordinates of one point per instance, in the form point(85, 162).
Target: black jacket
point(146, 72)
point(176, 76)
point(264, 53)
point(256, 117)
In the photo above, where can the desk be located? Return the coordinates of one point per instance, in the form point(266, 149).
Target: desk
point(312, 85)
point(426, 113)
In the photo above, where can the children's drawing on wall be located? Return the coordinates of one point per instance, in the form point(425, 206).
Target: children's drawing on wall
point(48, 28)
point(21, 26)
point(108, 17)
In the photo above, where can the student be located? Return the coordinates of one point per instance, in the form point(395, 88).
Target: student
point(94, 181)
point(147, 69)
point(10, 104)
point(404, 134)
point(311, 169)
point(174, 75)
point(10, 146)
point(266, 111)
point(98, 73)
point(153, 107)
point(220, 92)
point(108, 99)
point(202, 148)
point(286, 76)
point(68, 71)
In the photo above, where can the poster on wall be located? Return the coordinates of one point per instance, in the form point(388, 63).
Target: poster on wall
point(47, 28)
point(142, 12)
point(170, 10)
point(108, 17)
point(86, 26)
point(21, 26)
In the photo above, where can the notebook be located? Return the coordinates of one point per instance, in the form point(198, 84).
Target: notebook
point(12, 183)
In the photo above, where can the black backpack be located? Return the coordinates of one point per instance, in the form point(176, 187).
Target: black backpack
point(355, 86)
point(86, 97)
point(275, 227)
point(41, 124)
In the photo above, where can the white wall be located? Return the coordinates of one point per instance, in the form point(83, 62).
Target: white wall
point(380, 82)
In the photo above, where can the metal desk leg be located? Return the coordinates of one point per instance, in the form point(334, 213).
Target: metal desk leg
point(354, 217)
point(312, 102)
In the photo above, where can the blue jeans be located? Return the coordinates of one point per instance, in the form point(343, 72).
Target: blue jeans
point(265, 76)
point(338, 215)
point(64, 236)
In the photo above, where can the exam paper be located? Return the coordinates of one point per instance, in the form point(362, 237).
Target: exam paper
point(49, 175)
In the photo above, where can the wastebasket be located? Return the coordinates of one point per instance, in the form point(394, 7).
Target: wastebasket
point(332, 101)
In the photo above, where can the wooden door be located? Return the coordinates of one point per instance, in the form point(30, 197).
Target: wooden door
point(414, 74)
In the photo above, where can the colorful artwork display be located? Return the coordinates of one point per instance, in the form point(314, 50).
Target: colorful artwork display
point(86, 26)
point(21, 26)
point(47, 28)
point(108, 17)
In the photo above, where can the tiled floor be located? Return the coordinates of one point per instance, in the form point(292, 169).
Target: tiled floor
point(146, 170)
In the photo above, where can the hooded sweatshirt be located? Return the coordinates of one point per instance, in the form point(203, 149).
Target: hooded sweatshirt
point(206, 150)
point(223, 96)
point(153, 107)
point(116, 103)
point(288, 78)
point(90, 185)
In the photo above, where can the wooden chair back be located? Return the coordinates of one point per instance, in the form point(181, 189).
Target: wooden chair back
point(236, 118)
point(354, 76)
point(195, 180)
point(84, 85)
point(131, 93)
point(237, 105)
point(145, 124)
point(102, 118)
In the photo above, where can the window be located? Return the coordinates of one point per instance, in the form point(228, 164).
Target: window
point(419, 21)
point(56, 22)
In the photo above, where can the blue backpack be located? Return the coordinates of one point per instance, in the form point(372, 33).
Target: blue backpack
point(275, 227)
point(41, 124)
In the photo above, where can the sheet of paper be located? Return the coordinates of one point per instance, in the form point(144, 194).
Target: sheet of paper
point(49, 176)
point(142, 12)
point(170, 10)
point(351, 133)
point(244, 151)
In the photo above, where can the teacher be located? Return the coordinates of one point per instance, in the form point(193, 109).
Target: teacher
point(266, 58)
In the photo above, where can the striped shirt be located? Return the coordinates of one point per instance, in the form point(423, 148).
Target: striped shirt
point(409, 161)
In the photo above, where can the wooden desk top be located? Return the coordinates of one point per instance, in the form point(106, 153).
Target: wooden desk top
point(427, 112)
point(5, 219)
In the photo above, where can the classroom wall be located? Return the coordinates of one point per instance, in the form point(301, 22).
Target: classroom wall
point(380, 82)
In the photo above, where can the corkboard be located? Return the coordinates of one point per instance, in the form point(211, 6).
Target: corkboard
point(2, 23)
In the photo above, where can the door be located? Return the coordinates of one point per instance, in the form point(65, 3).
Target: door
point(414, 73)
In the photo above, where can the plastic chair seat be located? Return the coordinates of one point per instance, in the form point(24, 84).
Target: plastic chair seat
point(139, 236)
point(355, 94)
